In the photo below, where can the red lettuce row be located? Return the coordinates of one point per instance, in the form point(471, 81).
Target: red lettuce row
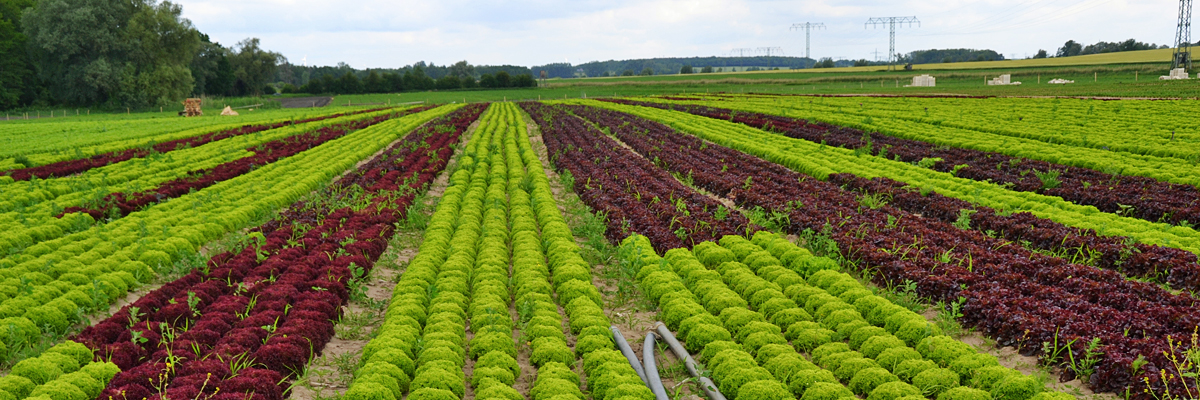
point(1150, 199)
point(71, 167)
point(122, 204)
point(1174, 266)
point(635, 195)
point(249, 321)
point(1020, 298)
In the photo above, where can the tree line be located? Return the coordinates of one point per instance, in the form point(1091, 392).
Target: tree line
point(417, 77)
point(1072, 48)
point(117, 54)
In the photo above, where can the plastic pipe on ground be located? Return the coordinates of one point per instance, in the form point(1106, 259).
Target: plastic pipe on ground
point(628, 352)
point(706, 384)
point(654, 381)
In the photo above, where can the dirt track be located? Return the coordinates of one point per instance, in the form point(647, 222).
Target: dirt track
point(305, 102)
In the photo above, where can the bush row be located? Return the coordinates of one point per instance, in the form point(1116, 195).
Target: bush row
point(88, 270)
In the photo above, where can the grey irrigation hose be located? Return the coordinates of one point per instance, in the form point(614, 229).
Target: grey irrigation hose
point(655, 382)
point(628, 352)
point(706, 384)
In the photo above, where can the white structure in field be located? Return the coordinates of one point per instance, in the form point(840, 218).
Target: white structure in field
point(1005, 79)
point(923, 81)
point(1059, 81)
point(1177, 73)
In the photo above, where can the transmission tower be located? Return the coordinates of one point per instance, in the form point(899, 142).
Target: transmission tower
point(1183, 32)
point(891, 24)
point(807, 26)
point(742, 52)
point(768, 51)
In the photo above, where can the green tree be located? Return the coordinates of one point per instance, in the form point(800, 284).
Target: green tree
point(374, 83)
point(1070, 48)
point(524, 80)
point(462, 70)
point(349, 84)
point(162, 46)
point(487, 81)
point(448, 82)
point(503, 79)
point(647, 71)
point(706, 70)
point(1040, 54)
point(16, 70)
point(628, 72)
point(78, 47)
point(254, 66)
point(206, 66)
point(393, 82)
point(687, 69)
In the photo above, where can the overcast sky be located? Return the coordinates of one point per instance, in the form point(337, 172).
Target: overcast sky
point(391, 33)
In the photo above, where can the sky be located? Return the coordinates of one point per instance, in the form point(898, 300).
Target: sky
point(394, 33)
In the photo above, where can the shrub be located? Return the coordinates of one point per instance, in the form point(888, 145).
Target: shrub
point(893, 391)
point(1016, 387)
point(826, 391)
point(966, 393)
point(764, 390)
point(908, 369)
point(934, 381)
point(868, 379)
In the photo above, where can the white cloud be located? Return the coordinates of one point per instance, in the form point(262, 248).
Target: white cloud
point(381, 33)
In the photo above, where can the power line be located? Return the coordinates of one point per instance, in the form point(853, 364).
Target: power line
point(807, 26)
point(742, 52)
point(891, 23)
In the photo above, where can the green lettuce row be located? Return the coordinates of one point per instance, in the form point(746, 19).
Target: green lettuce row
point(609, 375)
point(541, 321)
point(29, 207)
point(820, 161)
point(1120, 151)
point(44, 141)
point(65, 371)
point(890, 344)
point(431, 297)
point(492, 347)
point(95, 267)
point(735, 370)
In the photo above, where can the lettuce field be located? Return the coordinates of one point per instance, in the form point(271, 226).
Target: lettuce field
point(799, 247)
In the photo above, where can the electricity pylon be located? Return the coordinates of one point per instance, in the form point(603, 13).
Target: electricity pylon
point(807, 26)
point(891, 23)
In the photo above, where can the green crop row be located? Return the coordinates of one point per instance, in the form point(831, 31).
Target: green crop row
point(864, 339)
point(88, 270)
point(820, 161)
point(30, 207)
point(46, 141)
point(498, 195)
point(1150, 142)
point(893, 353)
point(65, 371)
